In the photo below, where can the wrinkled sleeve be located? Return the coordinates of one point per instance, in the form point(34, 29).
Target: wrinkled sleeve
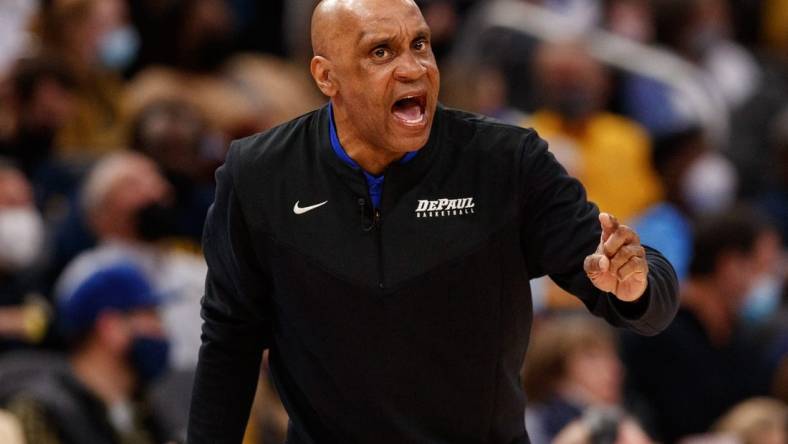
point(236, 324)
point(561, 227)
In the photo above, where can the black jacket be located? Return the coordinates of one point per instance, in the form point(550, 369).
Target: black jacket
point(52, 405)
point(407, 326)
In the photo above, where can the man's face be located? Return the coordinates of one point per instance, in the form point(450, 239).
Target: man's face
point(386, 75)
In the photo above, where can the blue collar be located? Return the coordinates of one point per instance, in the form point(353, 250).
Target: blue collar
point(374, 183)
point(340, 151)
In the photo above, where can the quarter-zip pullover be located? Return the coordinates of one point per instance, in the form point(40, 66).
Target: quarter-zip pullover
point(404, 324)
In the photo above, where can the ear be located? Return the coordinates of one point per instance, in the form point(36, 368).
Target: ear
point(322, 72)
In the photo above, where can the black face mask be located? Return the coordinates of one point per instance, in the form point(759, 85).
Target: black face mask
point(33, 146)
point(157, 221)
point(211, 52)
point(574, 104)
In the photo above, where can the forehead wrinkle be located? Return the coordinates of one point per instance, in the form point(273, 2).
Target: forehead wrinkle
point(334, 19)
point(398, 31)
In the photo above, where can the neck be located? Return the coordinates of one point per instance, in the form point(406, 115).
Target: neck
point(707, 301)
point(107, 378)
point(372, 159)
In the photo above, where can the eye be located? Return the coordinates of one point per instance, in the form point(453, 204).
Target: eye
point(420, 44)
point(380, 52)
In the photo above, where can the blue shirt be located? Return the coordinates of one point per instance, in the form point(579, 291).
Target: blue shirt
point(374, 183)
point(664, 227)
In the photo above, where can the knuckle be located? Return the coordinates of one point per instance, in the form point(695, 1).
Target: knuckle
point(589, 262)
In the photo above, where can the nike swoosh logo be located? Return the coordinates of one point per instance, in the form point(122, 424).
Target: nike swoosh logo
point(300, 210)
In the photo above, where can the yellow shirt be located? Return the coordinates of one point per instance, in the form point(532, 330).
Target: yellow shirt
point(610, 156)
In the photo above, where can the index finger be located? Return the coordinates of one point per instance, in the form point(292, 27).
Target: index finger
point(609, 225)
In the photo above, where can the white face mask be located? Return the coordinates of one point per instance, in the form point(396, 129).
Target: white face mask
point(118, 48)
point(763, 299)
point(21, 237)
point(710, 183)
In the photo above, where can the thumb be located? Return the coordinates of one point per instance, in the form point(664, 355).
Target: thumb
point(609, 225)
point(596, 263)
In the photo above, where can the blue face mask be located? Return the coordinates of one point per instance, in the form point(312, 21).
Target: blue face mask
point(118, 48)
point(149, 357)
point(762, 301)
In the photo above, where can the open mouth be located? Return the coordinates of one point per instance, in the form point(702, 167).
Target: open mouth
point(410, 109)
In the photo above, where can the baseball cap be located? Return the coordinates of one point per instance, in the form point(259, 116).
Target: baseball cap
point(119, 287)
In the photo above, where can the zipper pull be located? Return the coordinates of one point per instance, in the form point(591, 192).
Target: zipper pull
point(366, 226)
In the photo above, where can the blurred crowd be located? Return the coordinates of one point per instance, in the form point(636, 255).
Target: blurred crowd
point(114, 115)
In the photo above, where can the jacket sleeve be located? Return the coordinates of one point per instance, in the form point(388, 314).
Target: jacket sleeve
point(560, 228)
point(236, 324)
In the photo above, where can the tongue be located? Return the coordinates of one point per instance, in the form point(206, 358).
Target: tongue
point(408, 110)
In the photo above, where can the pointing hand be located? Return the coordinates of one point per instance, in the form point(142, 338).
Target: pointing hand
point(619, 264)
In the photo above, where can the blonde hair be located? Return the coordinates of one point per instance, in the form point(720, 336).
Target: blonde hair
point(750, 419)
point(103, 176)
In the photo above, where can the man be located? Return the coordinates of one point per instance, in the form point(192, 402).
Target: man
point(117, 347)
point(41, 101)
point(23, 312)
point(127, 203)
point(706, 362)
point(396, 306)
point(609, 153)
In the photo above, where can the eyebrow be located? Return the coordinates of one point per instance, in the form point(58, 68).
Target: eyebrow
point(375, 39)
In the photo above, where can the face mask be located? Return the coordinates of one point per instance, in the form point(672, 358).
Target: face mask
point(574, 104)
point(762, 300)
point(118, 48)
point(212, 51)
point(149, 357)
point(35, 144)
point(21, 237)
point(157, 221)
point(709, 184)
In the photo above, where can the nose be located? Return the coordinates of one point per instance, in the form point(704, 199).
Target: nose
point(409, 68)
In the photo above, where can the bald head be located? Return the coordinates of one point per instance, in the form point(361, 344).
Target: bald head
point(374, 59)
point(335, 18)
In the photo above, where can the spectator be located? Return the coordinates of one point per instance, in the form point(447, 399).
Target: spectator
point(572, 364)
point(703, 364)
point(701, 32)
point(23, 314)
point(696, 181)
point(600, 426)
point(198, 63)
point(762, 303)
point(608, 153)
point(84, 34)
point(117, 346)
point(129, 206)
point(177, 137)
point(756, 421)
point(42, 102)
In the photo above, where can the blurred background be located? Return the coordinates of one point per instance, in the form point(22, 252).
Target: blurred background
point(114, 115)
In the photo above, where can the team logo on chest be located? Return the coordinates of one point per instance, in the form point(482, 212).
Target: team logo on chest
point(445, 207)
